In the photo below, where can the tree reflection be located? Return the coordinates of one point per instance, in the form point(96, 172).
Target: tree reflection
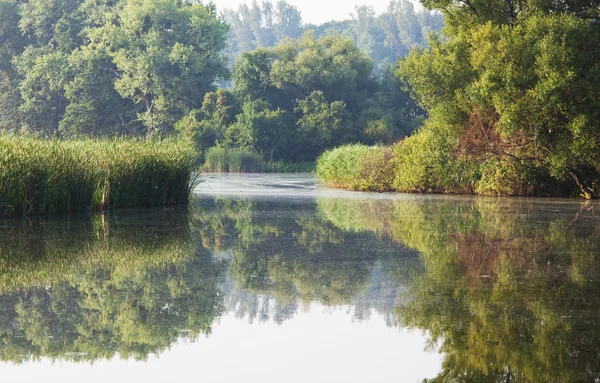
point(286, 256)
point(132, 284)
point(92, 291)
point(510, 292)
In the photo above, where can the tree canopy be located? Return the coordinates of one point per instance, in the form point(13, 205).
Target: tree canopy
point(385, 37)
point(128, 67)
point(512, 98)
point(304, 96)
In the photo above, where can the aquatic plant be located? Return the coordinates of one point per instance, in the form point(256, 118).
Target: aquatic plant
point(45, 176)
point(234, 160)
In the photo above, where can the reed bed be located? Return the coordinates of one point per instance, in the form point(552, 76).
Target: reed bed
point(233, 160)
point(46, 176)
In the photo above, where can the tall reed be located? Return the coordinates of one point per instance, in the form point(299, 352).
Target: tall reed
point(44, 176)
point(233, 160)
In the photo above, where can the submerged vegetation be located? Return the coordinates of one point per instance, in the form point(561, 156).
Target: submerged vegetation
point(44, 176)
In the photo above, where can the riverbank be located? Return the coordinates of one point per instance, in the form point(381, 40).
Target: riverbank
point(417, 166)
point(46, 176)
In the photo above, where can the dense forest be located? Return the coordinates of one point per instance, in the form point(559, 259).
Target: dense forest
point(72, 69)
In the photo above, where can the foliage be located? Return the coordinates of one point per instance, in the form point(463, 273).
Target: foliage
point(205, 127)
point(167, 54)
point(385, 37)
point(223, 159)
point(427, 162)
point(41, 176)
point(516, 86)
point(357, 167)
point(307, 95)
point(232, 160)
point(108, 68)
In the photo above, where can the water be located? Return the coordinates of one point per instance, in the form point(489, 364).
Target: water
point(270, 278)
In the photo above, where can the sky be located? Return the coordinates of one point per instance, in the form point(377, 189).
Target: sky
point(317, 11)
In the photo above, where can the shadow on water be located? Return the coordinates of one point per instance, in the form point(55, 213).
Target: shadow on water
point(507, 289)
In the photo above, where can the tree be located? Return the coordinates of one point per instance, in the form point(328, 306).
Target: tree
point(322, 124)
point(208, 126)
point(262, 129)
point(167, 54)
point(12, 44)
point(44, 74)
point(94, 107)
point(514, 91)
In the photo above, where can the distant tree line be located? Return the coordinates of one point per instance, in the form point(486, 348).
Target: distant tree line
point(385, 37)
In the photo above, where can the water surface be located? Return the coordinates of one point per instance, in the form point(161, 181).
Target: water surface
point(272, 278)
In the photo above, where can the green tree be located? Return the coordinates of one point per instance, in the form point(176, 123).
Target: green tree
point(514, 91)
point(322, 125)
point(167, 54)
point(262, 129)
point(12, 43)
point(208, 126)
point(94, 107)
point(44, 74)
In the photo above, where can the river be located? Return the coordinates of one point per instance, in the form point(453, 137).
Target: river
point(273, 278)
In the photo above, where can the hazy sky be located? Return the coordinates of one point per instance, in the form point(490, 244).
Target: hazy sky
point(317, 11)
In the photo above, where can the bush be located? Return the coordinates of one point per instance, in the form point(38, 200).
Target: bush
point(501, 176)
point(428, 161)
point(357, 167)
point(376, 170)
point(44, 176)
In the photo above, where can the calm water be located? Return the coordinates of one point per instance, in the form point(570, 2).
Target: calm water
point(272, 279)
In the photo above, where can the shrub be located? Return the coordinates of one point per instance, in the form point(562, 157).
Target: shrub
point(357, 167)
point(428, 161)
point(376, 170)
point(502, 176)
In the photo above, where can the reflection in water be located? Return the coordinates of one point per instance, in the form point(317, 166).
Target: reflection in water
point(284, 256)
point(507, 289)
point(89, 290)
point(132, 284)
point(511, 288)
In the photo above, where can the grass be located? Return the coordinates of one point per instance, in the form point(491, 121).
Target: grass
point(46, 176)
point(233, 160)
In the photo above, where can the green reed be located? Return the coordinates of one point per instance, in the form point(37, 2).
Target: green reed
point(45, 176)
point(235, 160)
